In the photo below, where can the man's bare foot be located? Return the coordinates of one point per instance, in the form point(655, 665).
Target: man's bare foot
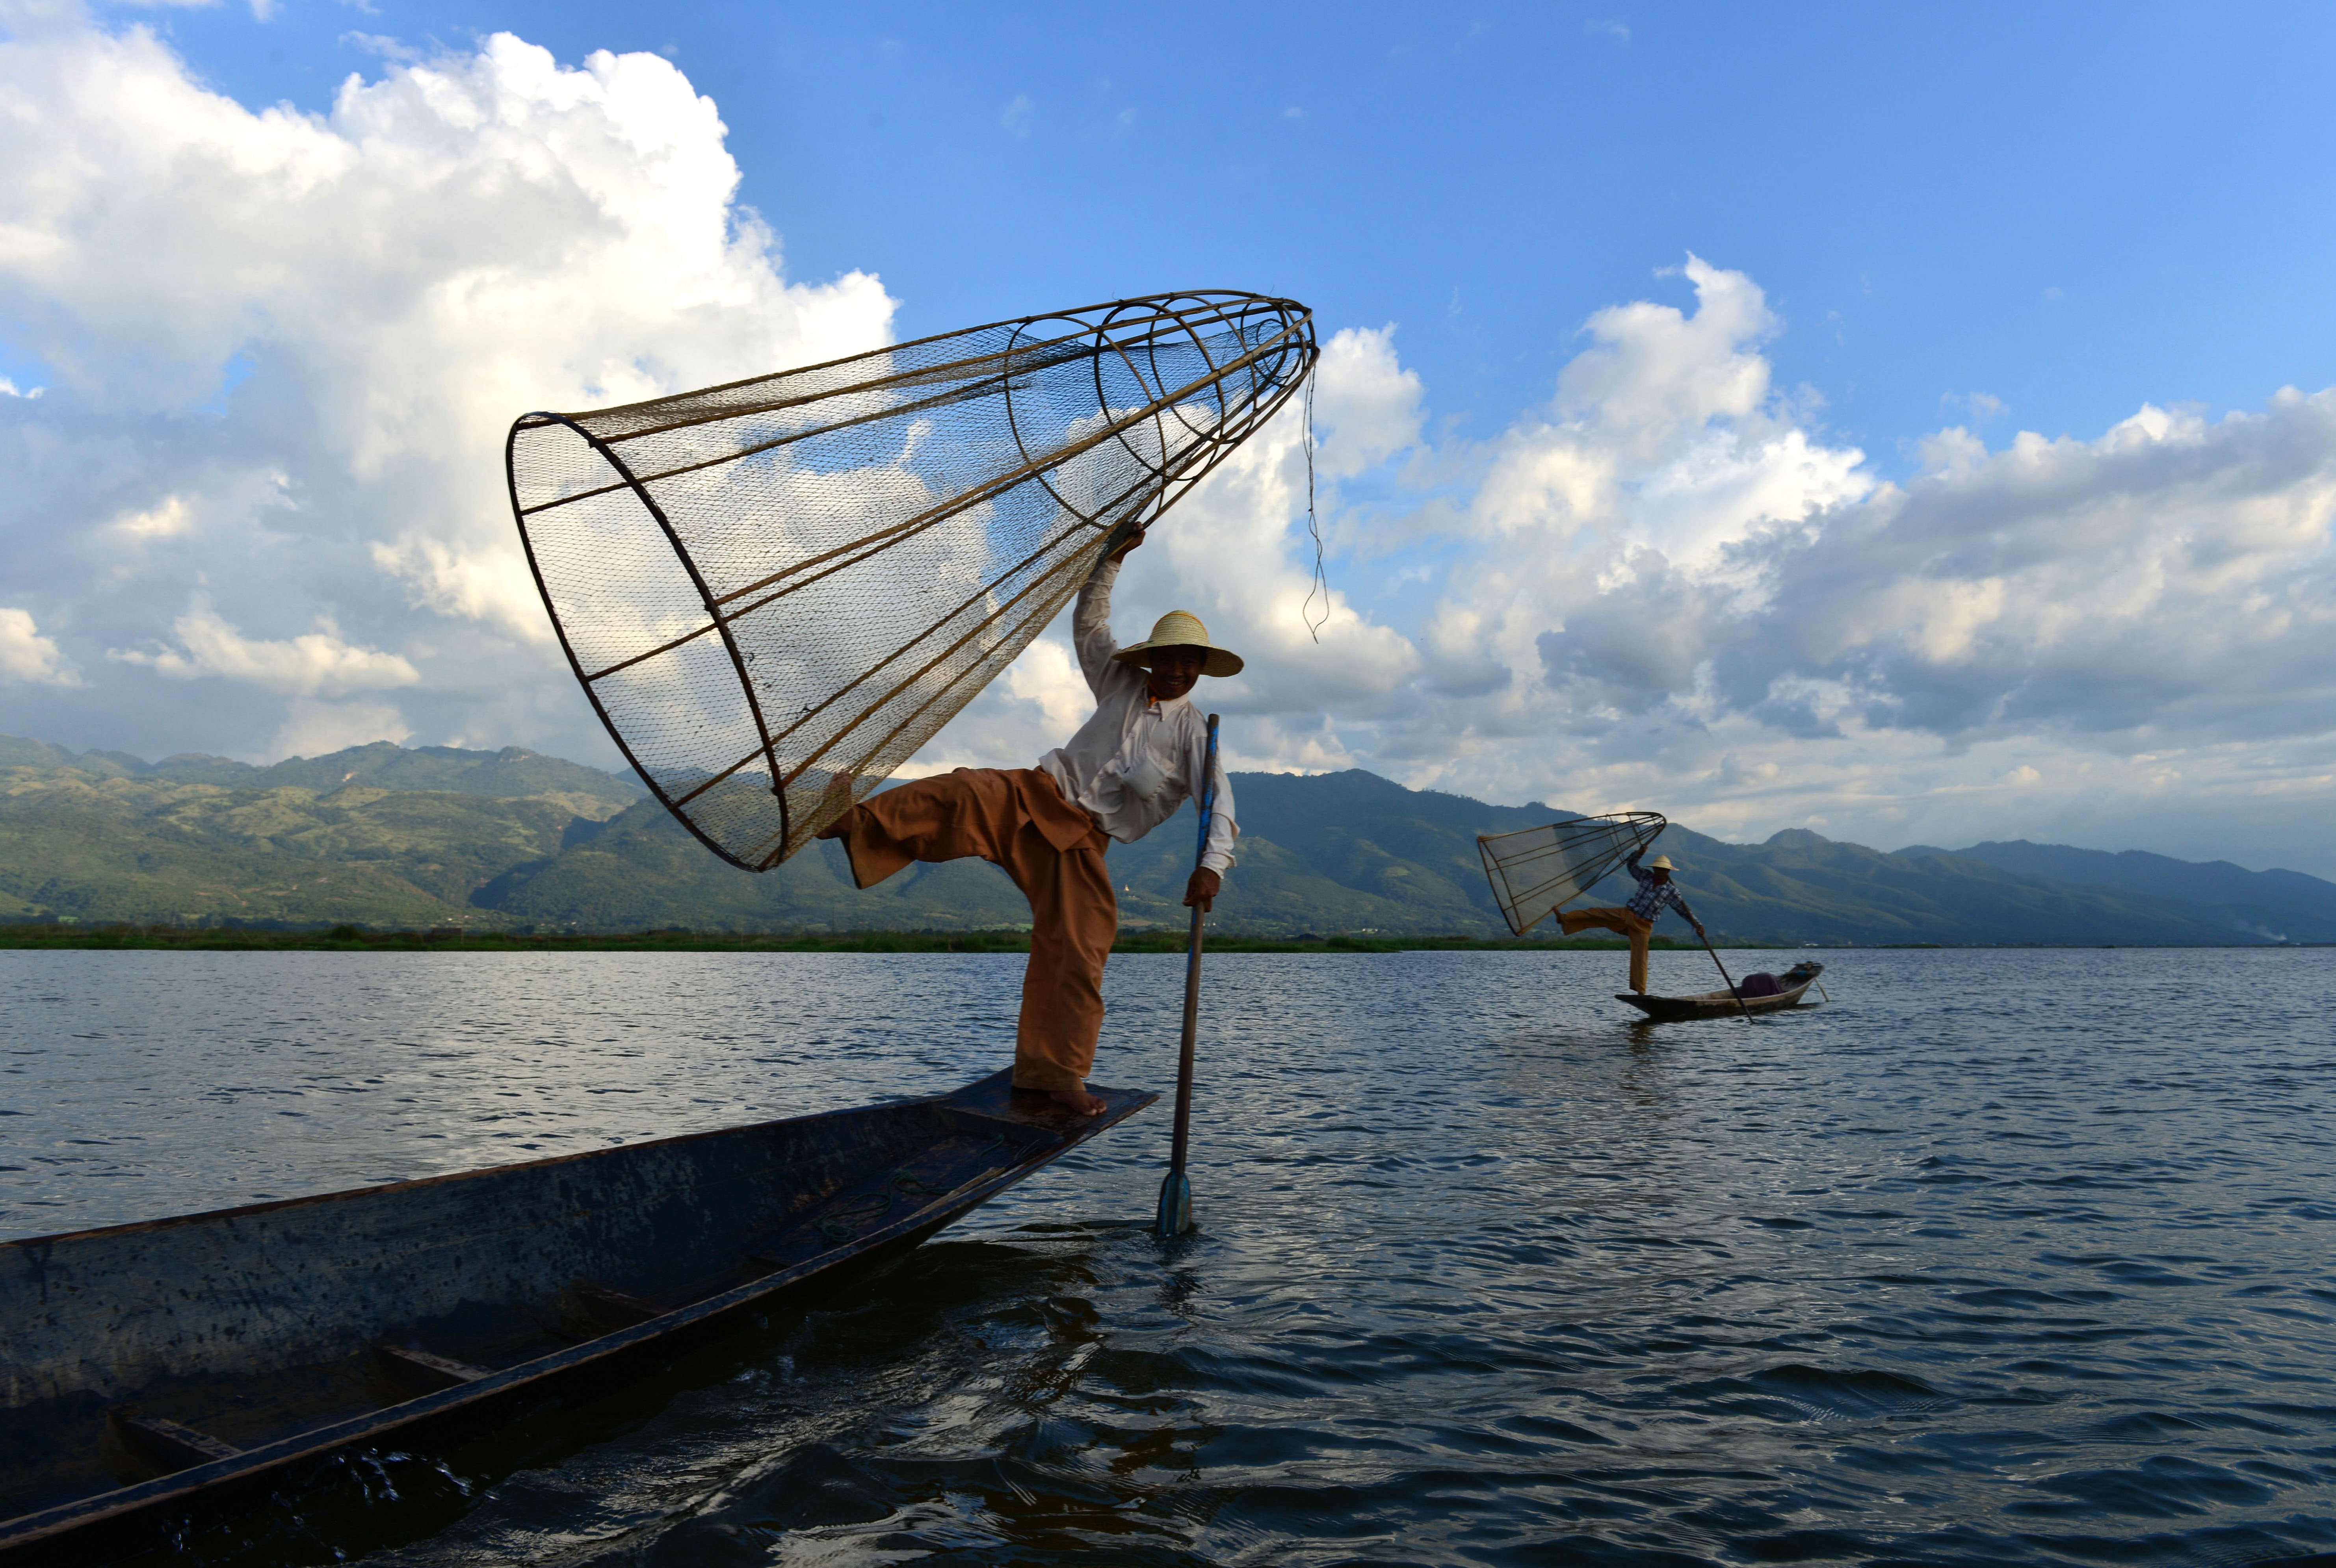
point(1079, 1101)
point(839, 829)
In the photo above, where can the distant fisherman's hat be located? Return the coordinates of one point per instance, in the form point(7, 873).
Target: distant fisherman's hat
point(1183, 629)
point(1659, 863)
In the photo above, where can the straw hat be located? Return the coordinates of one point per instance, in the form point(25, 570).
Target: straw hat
point(1183, 629)
point(1659, 863)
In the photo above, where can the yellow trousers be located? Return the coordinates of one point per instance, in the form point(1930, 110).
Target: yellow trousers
point(1621, 923)
point(1016, 820)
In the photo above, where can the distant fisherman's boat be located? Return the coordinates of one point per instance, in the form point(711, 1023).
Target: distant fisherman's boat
point(1729, 1003)
point(159, 1372)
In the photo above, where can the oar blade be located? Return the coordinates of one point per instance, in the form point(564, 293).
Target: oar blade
point(1176, 1216)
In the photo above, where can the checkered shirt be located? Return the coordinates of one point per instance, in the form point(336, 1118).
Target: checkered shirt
point(1653, 896)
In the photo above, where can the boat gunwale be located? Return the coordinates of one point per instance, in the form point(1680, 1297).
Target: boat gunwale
point(545, 1162)
point(49, 1526)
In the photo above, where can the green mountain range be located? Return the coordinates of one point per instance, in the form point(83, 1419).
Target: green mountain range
point(382, 836)
point(2276, 906)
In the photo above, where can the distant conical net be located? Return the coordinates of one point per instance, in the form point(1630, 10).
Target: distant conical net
point(775, 591)
point(1539, 869)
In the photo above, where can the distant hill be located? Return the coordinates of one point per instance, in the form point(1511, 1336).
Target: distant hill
point(514, 773)
point(2277, 905)
point(1798, 886)
point(151, 850)
point(375, 834)
point(1413, 855)
point(387, 835)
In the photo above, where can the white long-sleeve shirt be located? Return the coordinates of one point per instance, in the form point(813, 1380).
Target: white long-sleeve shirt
point(1101, 767)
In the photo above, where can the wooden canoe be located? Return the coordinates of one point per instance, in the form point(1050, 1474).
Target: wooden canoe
point(1725, 1003)
point(157, 1373)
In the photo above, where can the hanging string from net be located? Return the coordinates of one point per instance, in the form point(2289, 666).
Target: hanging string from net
point(1321, 583)
point(776, 590)
point(1536, 871)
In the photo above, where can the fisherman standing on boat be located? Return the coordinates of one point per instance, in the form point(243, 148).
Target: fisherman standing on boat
point(1636, 919)
point(1126, 771)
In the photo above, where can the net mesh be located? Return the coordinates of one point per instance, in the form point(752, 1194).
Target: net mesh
point(774, 590)
point(1536, 871)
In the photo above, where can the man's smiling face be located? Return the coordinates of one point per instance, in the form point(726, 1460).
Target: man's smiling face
point(1175, 671)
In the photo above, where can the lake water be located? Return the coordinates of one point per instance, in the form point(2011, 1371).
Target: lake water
point(2000, 1257)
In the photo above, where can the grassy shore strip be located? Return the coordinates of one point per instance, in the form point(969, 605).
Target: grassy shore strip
point(351, 939)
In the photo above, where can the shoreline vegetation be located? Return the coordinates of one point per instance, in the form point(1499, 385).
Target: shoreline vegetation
point(449, 939)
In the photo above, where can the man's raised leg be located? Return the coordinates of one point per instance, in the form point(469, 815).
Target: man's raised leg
point(948, 817)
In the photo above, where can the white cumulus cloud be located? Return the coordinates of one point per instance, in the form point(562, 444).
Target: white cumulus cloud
point(362, 300)
point(1367, 403)
point(1670, 588)
point(1675, 590)
point(317, 729)
point(315, 663)
point(27, 656)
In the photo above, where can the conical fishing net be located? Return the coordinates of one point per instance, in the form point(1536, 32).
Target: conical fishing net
point(774, 590)
point(1536, 871)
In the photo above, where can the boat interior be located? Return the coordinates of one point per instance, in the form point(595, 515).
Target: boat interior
point(138, 1351)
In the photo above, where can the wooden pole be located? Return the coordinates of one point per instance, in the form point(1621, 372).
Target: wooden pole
point(1176, 1216)
point(1723, 974)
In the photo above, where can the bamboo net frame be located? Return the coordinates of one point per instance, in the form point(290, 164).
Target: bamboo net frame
point(774, 590)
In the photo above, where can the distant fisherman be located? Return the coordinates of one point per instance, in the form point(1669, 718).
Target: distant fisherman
point(1636, 919)
point(1125, 772)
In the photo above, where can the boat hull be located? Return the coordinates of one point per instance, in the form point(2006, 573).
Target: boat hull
point(1725, 1003)
point(283, 1334)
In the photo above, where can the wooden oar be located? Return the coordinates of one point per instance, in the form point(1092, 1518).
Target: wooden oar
point(1723, 974)
point(1176, 1190)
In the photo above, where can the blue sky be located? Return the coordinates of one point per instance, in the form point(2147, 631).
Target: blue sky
point(2069, 209)
point(1758, 540)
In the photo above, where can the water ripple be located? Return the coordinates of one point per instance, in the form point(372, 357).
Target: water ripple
point(2005, 1257)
